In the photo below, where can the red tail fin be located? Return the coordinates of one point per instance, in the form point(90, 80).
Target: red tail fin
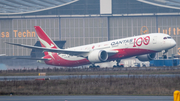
point(44, 39)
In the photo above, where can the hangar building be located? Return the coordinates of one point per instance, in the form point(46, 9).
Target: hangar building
point(81, 22)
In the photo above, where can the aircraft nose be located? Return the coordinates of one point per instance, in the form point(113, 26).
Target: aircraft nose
point(173, 43)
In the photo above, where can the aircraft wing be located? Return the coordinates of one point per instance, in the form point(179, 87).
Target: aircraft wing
point(28, 58)
point(62, 51)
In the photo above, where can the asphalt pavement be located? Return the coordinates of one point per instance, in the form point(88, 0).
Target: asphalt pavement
point(86, 98)
point(56, 77)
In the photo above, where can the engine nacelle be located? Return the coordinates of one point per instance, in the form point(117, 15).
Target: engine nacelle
point(146, 57)
point(97, 56)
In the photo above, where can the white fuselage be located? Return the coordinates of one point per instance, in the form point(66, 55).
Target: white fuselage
point(126, 47)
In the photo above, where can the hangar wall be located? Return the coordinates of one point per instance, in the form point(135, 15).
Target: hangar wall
point(22, 31)
point(81, 31)
point(84, 30)
point(121, 27)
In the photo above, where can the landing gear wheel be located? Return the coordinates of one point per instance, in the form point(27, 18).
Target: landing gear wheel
point(122, 66)
point(93, 66)
point(114, 66)
point(164, 56)
point(117, 64)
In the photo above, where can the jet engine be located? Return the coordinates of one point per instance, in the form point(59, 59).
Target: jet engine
point(97, 56)
point(146, 57)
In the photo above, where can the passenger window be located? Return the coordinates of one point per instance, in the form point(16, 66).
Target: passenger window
point(165, 38)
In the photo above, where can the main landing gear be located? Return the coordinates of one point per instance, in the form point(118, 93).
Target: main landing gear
point(117, 64)
point(93, 66)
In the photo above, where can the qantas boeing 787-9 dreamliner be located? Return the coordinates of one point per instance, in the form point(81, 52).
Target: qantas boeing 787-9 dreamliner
point(144, 47)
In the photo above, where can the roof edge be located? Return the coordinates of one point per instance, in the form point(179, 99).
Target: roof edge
point(160, 5)
point(40, 9)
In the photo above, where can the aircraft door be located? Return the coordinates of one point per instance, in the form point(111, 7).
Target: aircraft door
point(154, 39)
point(126, 45)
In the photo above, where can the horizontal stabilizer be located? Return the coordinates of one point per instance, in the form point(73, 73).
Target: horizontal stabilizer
point(30, 58)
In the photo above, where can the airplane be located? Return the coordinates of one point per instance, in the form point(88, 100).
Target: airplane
point(144, 47)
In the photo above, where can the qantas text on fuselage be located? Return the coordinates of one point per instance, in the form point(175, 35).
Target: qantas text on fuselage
point(144, 47)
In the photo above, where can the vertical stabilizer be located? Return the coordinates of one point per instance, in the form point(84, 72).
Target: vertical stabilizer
point(45, 39)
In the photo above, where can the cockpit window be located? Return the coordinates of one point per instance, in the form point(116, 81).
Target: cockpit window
point(169, 37)
point(165, 38)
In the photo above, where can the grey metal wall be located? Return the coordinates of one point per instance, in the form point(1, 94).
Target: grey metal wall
point(121, 27)
point(81, 31)
point(22, 31)
point(5, 35)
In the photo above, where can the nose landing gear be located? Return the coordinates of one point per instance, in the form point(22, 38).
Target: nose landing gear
point(164, 56)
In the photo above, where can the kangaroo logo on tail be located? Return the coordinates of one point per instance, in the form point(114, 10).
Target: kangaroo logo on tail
point(46, 44)
point(45, 40)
